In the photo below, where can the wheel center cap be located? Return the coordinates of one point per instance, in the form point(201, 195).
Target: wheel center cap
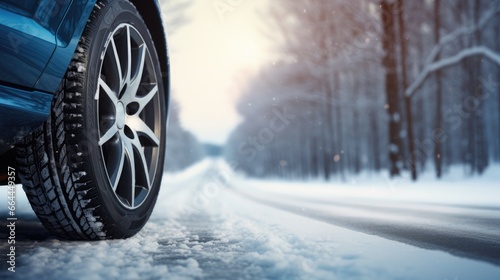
point(120, 115)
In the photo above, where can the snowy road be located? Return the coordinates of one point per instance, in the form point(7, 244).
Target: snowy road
point(203, 228)
point(468, 231)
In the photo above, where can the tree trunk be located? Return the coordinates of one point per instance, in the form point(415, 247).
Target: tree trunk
point(327, 122)
point(355, 151)
point(481, 143)
point(391, 86)
point(497, 36)
point(409, 118)
point(421, 110)
point(374, 145)
point(338, 121)
point(465, 146)
point(438, 154)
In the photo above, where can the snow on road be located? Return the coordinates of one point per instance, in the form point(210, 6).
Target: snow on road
point(461, 217)
point(201, 228)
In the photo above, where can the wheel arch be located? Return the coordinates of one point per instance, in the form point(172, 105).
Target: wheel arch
point(151, 14)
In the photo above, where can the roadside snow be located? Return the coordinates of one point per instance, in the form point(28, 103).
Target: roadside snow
point(454, 188)
point(309, 249)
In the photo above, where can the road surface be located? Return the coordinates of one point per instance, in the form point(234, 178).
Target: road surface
point(207, 226)
point(466, 231)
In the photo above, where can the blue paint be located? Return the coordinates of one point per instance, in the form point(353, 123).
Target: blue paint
point(21, 111)
point(37, 41)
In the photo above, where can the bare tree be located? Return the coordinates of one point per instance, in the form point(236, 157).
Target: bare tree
point(350, 116)
point(403, 39)
point(391, 85)
point(438, 154)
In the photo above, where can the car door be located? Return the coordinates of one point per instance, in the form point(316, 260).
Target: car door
point(27, 38)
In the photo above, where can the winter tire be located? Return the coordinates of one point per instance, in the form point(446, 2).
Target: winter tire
point(93, 171)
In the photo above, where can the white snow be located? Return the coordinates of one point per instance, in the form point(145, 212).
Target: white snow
point(226, 236)
point(307, 249)
point(455, 188)
point(393, 148)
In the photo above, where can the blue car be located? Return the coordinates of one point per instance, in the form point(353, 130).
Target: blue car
point(84, 87)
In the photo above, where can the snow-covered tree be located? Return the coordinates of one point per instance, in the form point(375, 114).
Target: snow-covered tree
point(183, 149)
point(375, 84)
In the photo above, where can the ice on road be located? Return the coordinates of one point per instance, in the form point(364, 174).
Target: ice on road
point(203, 228)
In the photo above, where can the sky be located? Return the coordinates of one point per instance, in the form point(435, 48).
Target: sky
point(212, 57)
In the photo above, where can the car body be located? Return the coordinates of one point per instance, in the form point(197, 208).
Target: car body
point(37, 42)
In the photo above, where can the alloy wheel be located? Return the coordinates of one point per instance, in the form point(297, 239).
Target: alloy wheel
point(129, 116)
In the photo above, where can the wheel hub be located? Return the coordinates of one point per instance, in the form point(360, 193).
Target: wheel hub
point(120, 115)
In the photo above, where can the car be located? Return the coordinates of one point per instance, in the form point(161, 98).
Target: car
point(84, 90)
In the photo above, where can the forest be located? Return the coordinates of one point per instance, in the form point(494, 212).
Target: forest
point(183, 148)
point(373, 85)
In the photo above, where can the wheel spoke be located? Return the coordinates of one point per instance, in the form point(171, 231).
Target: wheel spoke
point(108, 91)
point(117, 63)
point(129, 55)
point(108, 135)
point(144, 101)
point(118, 173)
point(135, 81)
point(143, 169)
point(129, 150)
point(142, 129)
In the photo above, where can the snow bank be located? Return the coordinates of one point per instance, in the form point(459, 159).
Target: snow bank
point(454, 188)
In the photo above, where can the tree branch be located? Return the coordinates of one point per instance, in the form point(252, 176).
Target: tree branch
point(447, 62)
point(460, 32)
